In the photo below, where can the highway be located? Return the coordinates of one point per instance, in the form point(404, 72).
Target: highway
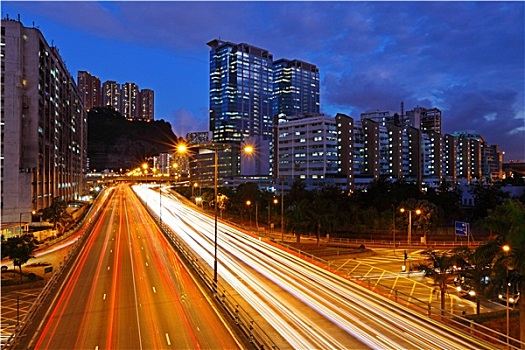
point(305, 304)
point(129, 290)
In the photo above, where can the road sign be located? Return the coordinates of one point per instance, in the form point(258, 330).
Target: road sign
point(462, 228)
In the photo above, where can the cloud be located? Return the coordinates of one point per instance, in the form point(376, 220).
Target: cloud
point(465, 58)
point(184, 121)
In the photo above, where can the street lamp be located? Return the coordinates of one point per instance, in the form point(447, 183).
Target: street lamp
point(274, 201)
point(394, 227)
point(282, 209)
point(409, 238)
point(194, 187)
point(506, 249)
point(182, 148)
point(248, 204)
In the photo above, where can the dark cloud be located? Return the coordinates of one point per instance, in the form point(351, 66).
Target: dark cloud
point(465, 58)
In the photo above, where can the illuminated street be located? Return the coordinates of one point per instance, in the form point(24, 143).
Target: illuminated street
point(307, 306)
point(129, 290)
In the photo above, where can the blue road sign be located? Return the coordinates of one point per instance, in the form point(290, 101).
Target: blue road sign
point(462, 228)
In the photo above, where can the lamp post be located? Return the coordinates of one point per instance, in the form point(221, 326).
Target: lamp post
point(506, 249)
point(409, 237)
point(194, 187)
point(282, 209)
point(248, 204)
point(274, 201)
point(394, 227)
point(183, 149)
point(160, 204)
point(21, 231)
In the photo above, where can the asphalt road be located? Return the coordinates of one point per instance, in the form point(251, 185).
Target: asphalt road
point(303, 302)
point(129, 290)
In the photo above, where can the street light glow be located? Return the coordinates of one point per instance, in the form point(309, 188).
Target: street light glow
point(182, 148)
point(248, 149)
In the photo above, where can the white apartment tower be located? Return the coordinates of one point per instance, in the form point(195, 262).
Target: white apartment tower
point(43, 125)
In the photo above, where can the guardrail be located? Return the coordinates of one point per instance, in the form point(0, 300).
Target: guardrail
point(242, 319)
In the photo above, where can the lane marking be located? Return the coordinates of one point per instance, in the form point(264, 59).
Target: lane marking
point(147, 263)
point(168, 339)
point(104, 298)
point(109, 268)
point(154, 290)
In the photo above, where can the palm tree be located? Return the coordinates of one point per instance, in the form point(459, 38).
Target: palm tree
point(478, 268)
point(438, 267)
point(508, 222)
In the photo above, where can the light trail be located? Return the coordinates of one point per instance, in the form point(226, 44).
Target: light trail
point(308, 305)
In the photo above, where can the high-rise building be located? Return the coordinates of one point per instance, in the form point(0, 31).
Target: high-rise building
point(111, 95)
point(295, 87)
point(44, 125)
point(249, 91)
point(241, 83)
point(147, 105)
point(89, 87)
point(424, 119)
point(129, 96)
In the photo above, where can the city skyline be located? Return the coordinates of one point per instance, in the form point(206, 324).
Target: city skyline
point(464, 58)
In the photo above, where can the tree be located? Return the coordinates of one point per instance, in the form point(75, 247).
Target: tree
point(20, 249)
point(508, 222)
point(298, 218)
point(438, 267)
point(487, 197)
point(477, 268)
point(57, 214)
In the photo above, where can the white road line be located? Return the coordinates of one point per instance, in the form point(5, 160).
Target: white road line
point(168, 339)
point(104, 298)
point(154, 290)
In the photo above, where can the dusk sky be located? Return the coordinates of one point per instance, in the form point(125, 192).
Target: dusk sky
point(465, 58)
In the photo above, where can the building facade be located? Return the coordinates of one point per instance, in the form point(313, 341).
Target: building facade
point(44, 125)
point(295, 87)
point(90, 90)
point(111, 95)
point(127, 99)
point(147, 105)
point(377, 147)
point(241, 83)
point(249, 91)
point(129, 96)
point(307, 149)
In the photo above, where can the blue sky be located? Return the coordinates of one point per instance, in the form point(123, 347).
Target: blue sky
point(465, 58)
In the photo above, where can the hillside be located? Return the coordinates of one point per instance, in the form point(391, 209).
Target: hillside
point(115, 143)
